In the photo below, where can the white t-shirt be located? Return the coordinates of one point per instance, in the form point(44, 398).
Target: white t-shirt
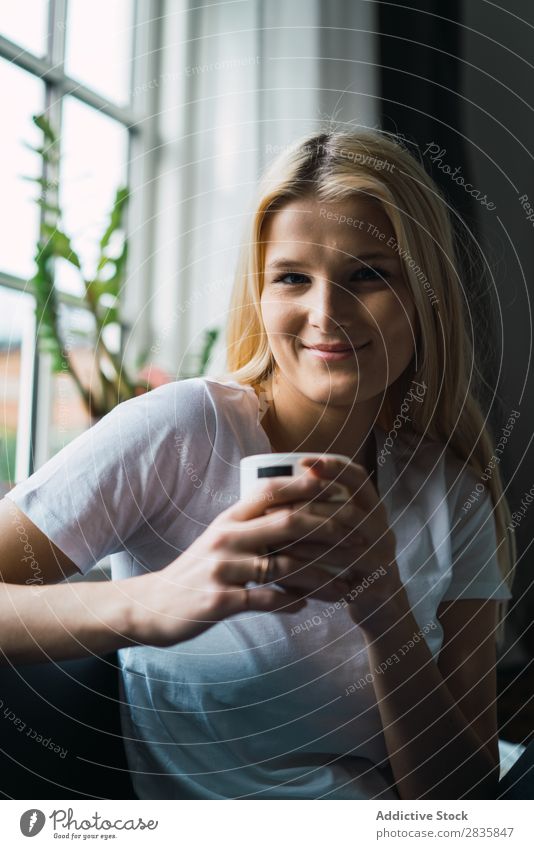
point(262, 705)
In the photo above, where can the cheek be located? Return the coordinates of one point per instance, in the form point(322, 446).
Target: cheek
point(395, 322)
point(279, 320)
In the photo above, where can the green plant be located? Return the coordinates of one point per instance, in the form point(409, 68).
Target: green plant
point(8, 448)
point(210, 338)
point(101, 292)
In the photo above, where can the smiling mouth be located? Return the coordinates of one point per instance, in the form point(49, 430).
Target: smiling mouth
point(340, 354)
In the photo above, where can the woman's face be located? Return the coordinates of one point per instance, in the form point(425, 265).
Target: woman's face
point(331, 277)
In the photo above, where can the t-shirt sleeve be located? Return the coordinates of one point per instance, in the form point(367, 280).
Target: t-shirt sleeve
point(119, 475)
point(475, 568)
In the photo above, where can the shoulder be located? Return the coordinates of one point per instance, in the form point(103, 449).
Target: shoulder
point(145, 428)
point(191, 394)
point(191, 390)
point(174, 405)
point(197, 408)
point(227, 391)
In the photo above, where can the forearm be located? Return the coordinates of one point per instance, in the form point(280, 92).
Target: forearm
point(433, 751)
point(67, 620)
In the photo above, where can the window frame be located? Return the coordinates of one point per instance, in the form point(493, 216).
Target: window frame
point(138, 118)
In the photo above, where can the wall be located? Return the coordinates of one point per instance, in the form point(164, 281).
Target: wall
point(498, 115)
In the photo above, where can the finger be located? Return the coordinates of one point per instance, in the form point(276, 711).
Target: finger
point(348, 515)
point(356, 526)
point(283, 526)
point(355, 476)
point(294, 573)
point(269, 600)
point(270, 492)
point(290, 572)
point(337, 556)
point(335, 562)
point(352, 527)
point(234, 575)
point(329, 493)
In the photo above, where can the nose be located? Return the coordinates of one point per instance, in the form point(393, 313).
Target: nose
point(330, 306)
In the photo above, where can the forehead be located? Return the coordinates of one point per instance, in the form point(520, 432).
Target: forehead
point(357, 223)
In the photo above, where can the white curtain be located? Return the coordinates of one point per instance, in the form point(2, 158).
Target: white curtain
point(238, 80)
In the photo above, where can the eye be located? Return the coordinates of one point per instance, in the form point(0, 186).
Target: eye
point(369, 273)
point(282, 278)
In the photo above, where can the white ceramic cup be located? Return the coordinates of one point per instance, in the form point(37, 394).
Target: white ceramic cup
point(258, 466)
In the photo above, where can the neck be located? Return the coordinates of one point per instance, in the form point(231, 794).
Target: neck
point(292, 422)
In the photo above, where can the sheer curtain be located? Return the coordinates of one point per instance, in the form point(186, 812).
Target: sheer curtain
point(238, 81)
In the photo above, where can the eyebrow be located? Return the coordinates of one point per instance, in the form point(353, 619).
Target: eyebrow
point(284, 262)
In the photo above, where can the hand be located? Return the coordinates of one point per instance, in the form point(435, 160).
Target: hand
point(365, 543)
point(207, 582)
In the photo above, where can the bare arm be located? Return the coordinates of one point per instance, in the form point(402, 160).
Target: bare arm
point(60, 622)
point(40, 622)
point(439, 720)
point(200, 587)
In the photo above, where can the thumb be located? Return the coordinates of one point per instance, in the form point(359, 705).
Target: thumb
point(275, 492)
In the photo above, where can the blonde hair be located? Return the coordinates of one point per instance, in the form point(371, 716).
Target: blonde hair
point(333, 166)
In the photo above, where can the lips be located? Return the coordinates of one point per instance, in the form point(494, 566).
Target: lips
point(333, 356)
point(331, 348)
point(338, 346)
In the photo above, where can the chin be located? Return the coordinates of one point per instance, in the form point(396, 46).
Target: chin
point(336, 392)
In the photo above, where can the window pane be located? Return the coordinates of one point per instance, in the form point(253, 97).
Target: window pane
point(69, 413)
point(16, 353)
point(21, 96)
point(25, 23)
point(98, 47)
point(93, 165)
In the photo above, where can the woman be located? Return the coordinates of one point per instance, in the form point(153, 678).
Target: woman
point(248, 670)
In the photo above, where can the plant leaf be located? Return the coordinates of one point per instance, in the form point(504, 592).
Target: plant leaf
point(49, 153)
point(210, 337)
point(60, 244)
point(45, 184)
point(46, 308)
point(43, 124)
point(49, 207)
point(115, 219)
point(110, 316)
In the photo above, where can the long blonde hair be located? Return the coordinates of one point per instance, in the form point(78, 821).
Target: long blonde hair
point(333, 166)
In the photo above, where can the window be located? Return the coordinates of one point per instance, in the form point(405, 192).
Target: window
point(17, 333)
point(94, 150)
point(108, 25)
point(68, 414)
point(22, 96)
point(47, 64)
point(25, 24)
